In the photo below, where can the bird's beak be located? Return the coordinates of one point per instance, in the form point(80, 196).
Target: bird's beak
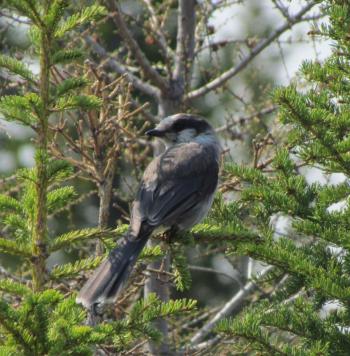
point(155, 133)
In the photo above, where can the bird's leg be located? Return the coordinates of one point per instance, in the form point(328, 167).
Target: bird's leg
point(170, 234)
point(94, 314)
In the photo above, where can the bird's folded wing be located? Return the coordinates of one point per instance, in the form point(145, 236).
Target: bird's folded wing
point(179, 183)
point(171, 204)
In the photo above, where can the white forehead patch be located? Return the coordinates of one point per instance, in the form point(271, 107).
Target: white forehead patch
point(166, 123)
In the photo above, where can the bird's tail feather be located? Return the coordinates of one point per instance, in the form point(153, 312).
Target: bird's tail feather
point(108, 279)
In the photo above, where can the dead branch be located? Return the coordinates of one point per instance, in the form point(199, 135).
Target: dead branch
point(230, 73)
point(134, 48)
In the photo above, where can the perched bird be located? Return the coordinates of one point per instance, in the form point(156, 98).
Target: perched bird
point(176, 192)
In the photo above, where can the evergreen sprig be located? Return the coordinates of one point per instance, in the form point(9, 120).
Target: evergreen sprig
point(35, 319)
point(182, 274)
point(70, 270)
point(64, 56)
point(15, 288)
point(69, 238)
point(89, 13)
point(314, 251)
point(17, 67)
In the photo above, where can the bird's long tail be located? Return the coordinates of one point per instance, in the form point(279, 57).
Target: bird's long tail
point(108, 279)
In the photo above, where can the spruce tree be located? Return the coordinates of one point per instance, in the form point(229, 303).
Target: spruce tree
point(38, 313)
point(313, 258)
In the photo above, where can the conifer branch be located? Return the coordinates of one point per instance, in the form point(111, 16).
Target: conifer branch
point(70, 270)
point(89, 13)
point(17, 67)
point(14, 248)
point(73, 237)
point(13, 287)
point(9, 321)
point(39, 241)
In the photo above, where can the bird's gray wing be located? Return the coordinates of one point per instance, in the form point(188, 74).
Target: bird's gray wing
point(174, 183)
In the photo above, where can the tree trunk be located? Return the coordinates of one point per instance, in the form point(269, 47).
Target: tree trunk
point(159, 284)
point(105, 195)
point(170, 104)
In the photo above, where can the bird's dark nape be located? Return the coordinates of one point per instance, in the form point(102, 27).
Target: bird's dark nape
point(108, 279)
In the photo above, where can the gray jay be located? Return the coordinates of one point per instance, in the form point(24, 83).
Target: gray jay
point(176, 192)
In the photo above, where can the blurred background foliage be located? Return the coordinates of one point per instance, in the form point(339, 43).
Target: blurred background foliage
point(242, 110)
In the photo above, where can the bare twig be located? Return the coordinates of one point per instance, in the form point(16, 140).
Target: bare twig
point(113, 64)
point(146, 114)
point(212, 270)
point(221, 79)
point(157, 28)
point(134, 48)
point(133, 350)
point(243, 119)
point(193, 321)
point(282, 8)
point(15, 18)
point(228, 308)
point(5, 273)
point(204, 345)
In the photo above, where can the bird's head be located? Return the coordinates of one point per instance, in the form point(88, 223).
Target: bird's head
point(181, 128)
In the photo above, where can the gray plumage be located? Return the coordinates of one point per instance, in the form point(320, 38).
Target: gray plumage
point(176, 191)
